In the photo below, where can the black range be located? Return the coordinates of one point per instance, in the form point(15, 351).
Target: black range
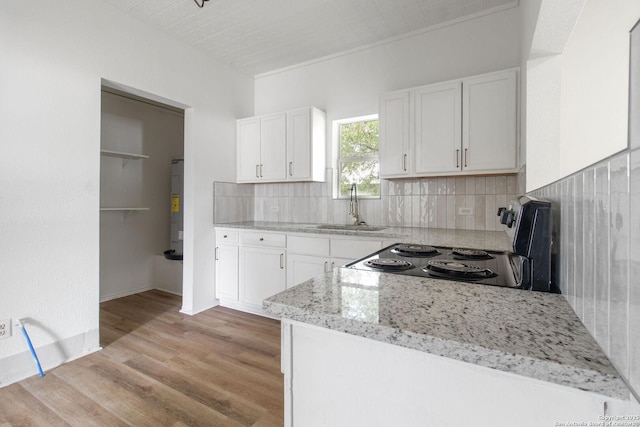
point(529, 223)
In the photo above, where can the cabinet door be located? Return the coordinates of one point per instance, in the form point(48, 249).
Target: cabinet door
point(340, 262)
point(437, 128)
point(489, 122)
point(299, 144)
point(248, 140)
point(394, 135)
point(227, 272)
point(262, 274)
point(273, 147)
point(304, 267)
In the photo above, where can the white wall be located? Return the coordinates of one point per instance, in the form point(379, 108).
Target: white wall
point(349, 85)
point(130, 241)
point(589, 82)
point(54, 55)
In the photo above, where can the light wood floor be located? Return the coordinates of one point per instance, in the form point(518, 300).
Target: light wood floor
point(159, 367)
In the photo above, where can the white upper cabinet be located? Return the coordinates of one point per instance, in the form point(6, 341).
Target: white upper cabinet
point(288, 146)
point(273, 147)
point(248, 140)
point(306, 145)
point(438, 128)
point(489, 122)
point(394, 131)
point(466, 126)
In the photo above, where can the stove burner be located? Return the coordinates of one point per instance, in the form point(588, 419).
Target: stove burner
point(389, 264)
point(413, 250)
point(457, 270)
point(470, 254)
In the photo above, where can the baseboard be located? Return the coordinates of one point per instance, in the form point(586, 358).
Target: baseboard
point(126, 293)
point(19, 366)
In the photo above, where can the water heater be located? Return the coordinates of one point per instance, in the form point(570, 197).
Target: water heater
point(177, 192)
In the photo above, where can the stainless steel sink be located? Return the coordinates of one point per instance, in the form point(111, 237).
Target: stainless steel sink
point(361, 227)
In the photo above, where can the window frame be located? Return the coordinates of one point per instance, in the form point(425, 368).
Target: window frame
point(338, 160)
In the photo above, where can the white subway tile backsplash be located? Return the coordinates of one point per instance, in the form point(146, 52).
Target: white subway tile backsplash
point(619, 261)
point(501, 185)
point(490, 185)
point(602, 267)
point(577, 299)
point(588, 250)
point(512, 184)
point(597, 247)
point(481, 185)
point(491, 209)
point(480, 212)
point(634, 270)
point(447, 214)
point(470, 185)
point(425, 202)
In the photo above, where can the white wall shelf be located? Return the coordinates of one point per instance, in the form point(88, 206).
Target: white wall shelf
point(122, 154)
point(124, 209)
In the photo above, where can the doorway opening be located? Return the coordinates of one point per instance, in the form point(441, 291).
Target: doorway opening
point(140, 142)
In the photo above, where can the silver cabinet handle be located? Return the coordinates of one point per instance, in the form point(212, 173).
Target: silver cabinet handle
point(261, 171)
point(404, 162)
point(216, 254)
point(458, 158)
point(465, 157)
point(257, 171)
point(281, 260)
point(290, 168)
point(333, 264)
point(326, 264)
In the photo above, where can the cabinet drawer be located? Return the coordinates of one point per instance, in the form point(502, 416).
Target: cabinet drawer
point(226, 236)
point(256, 238)
point(318, 246)
point(353, 249)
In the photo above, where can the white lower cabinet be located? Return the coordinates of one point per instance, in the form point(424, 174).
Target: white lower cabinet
point(310, 256)
point(227, 272)
point(303, 267)
point(227, 257)
point(307, 257)
point(252, 265)
point(262, 274)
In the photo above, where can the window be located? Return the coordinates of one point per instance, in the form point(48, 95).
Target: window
point(358, 161)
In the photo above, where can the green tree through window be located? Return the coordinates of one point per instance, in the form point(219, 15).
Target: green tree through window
point(358, 162)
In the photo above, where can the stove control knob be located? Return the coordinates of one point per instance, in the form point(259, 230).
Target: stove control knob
point(510, 219)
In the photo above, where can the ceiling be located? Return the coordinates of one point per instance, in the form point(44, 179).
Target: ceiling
point(258, 36)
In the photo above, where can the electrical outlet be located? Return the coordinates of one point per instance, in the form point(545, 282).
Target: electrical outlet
point(465, 211)
point(275, 208)
point(5, 328)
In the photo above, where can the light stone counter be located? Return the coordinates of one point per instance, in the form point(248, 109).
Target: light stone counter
point(472, 239)
point(532, 334)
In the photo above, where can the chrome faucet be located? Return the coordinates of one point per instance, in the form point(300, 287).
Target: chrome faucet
point(353, 205)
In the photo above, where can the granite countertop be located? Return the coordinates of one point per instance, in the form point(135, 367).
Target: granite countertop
point(532, 334)
point(472, 239)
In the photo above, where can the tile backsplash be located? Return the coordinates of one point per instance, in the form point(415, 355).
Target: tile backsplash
point(425, 202)
point(597, 254)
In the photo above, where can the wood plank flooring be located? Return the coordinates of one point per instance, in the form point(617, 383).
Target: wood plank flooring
point(159, 367)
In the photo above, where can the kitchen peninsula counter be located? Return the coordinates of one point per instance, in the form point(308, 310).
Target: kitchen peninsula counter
point(532, 334)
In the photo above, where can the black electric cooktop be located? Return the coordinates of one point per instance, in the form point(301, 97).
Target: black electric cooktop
point(462, 265)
